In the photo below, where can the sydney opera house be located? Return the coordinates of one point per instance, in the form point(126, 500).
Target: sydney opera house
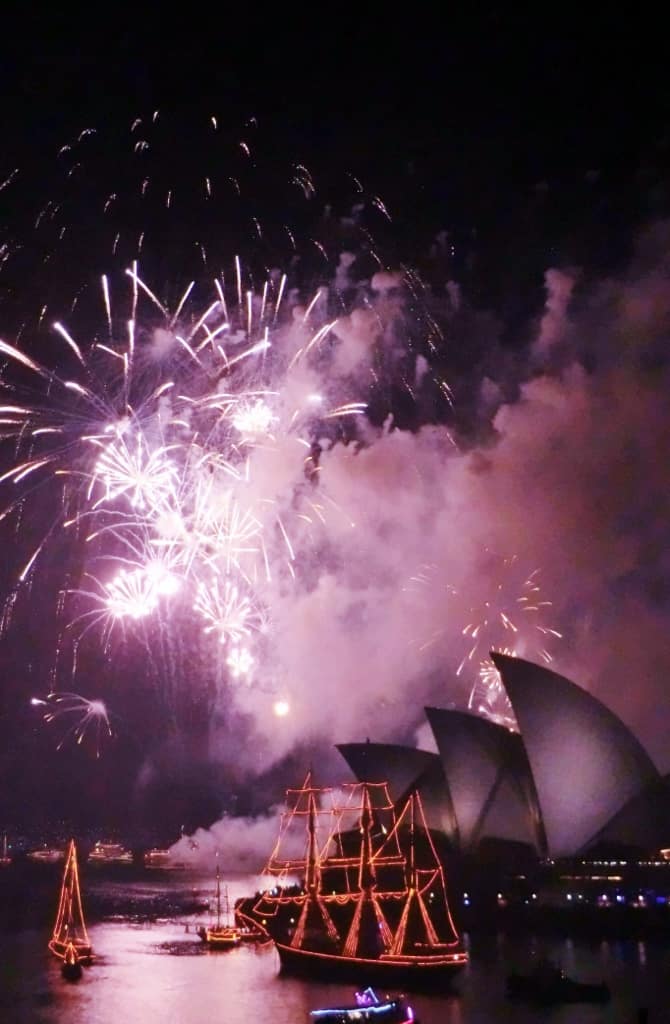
point(574, 778)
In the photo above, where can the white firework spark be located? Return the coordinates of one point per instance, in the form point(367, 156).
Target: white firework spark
point(228, 612)
point(240, 662)
point(83, 719)
point(178, 443)
point(510, 622)
point(129, 467)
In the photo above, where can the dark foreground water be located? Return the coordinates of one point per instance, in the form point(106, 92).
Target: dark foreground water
point(151, 968)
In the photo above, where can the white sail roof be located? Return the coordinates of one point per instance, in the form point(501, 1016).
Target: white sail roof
point(586, 763)
point(489, 779)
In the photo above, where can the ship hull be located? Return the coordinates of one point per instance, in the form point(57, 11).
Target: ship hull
point(404, 972)
point(72, 971)
point(220, 938)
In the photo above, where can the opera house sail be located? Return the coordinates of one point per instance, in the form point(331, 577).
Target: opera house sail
point(585, 762)
point(490, 783)
point(574, 775)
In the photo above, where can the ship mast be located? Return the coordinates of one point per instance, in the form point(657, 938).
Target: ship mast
point(369, 933)
point(366, 871)
point(313, 912)
point(218, 893)
point(312, 878)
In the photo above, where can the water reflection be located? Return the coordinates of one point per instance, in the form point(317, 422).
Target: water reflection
point(158, 971)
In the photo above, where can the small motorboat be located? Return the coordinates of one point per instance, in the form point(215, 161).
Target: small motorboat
point(368, 1007)
point(547, 983)
point(71, 968)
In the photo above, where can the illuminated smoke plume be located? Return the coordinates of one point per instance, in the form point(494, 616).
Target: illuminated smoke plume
point(570, 482)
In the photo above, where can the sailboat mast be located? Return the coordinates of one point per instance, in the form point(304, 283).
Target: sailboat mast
point(76, 909)
point(218, 896)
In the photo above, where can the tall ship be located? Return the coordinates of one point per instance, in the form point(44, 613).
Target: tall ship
point(70, 938)
point(360, 892)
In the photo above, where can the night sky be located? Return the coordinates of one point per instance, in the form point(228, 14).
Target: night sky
point(503, 147)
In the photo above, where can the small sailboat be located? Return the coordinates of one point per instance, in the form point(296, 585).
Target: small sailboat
point(222, 935)
point(70, 937)
point(5, 859)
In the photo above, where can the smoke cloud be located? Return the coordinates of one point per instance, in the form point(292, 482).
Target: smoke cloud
point(423, 534)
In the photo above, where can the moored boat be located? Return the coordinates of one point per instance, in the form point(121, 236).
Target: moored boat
point(163, 859)
point(110, 853)
point(370, 901)
point(5, 859)
point(368, 1007)
point(225, 937)
point(46, 855)
point(70, 928)
point(222, 934)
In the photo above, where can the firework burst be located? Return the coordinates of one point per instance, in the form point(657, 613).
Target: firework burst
point(513, 622)
point(78, 719)
point(181, 489)
point(167, 429)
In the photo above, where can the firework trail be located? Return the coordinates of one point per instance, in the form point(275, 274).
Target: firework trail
point(511, 619)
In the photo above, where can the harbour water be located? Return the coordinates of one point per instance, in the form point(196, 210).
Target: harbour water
point(151, 967)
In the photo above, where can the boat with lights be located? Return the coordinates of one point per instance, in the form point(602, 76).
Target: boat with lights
point(110, 853)
point(367, 900)
point(69, 935)
point(163, 860)
point(5, 859)
point(222, 934)
point(249, 929)
point(368, 1007)
point(46, 855)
